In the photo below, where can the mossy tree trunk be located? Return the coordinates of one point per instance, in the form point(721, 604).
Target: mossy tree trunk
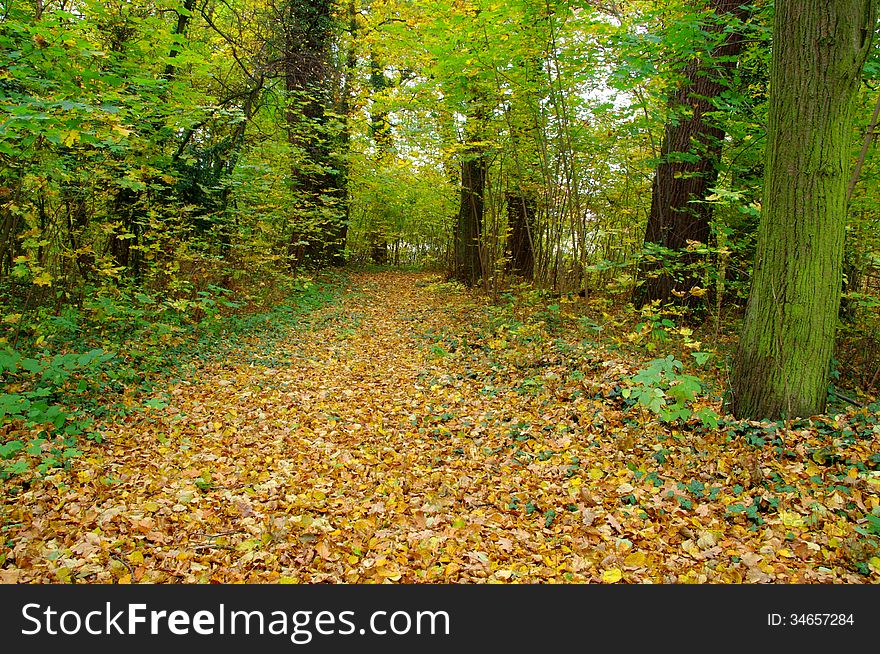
point(783, 360)
point(308, 76)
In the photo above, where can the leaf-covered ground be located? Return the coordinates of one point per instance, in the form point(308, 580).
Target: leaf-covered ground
point(414, 433)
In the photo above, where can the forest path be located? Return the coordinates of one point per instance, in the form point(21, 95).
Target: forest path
point(410, 433)
point(363, 450)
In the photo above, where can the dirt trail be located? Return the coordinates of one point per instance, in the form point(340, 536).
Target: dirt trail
point(394, 442)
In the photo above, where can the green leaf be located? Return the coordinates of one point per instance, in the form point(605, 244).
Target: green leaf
point(7, 450)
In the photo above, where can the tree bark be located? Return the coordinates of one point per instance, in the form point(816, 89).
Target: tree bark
point(307, 36)
point(782, 363)
point(520, 225)
point(380, 130)
point(688, 167)
point(469, 225)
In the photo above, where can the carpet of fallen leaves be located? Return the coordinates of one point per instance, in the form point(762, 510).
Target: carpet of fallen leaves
point(397, 438)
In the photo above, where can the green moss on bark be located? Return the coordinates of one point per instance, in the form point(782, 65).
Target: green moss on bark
point(783, 360)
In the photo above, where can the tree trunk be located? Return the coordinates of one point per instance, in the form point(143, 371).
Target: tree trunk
point(783, 360)
point(520, 226)
point(469, 225)
point(307, 35)
point(337, 235)
point(380, 130)
point(183, 18)
point(688, 167)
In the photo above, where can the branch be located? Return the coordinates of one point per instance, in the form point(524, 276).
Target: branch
point(869, 136)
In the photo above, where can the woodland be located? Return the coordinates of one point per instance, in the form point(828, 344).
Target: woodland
point(447, 291)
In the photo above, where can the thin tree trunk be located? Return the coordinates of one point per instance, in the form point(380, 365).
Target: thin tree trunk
point(380, 130)
point(183, 18)
point(866, 144)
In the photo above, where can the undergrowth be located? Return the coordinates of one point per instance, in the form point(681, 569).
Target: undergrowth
point(76, 365)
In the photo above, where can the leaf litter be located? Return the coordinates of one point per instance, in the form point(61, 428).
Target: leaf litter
point(412, 436)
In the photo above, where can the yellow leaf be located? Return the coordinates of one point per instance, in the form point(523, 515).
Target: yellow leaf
point(136, 557)
point(596, 473)
point(874, 563)
point(691, 548)
point(635, 560)
point(43, 279)
point(388, 573)
point(612, 576)
point(69, 138)
point(732, 577)
point(791, 519)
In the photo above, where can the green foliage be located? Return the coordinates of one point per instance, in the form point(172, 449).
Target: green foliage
point(48, 401)
point(408, 211)
point(42, 393)
point(666, 391)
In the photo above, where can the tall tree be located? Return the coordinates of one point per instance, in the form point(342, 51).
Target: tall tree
point(469, 222)
point(468, 234)
point(783, 359)
point(688, 167)
point(522, 181)
point(519, 249)
point(477, 104)
point(308, 31)
point(380, 130)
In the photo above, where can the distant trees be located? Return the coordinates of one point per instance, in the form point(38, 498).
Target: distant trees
point(783, 360)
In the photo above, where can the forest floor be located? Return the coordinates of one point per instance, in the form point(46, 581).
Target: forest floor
point(414, 433)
